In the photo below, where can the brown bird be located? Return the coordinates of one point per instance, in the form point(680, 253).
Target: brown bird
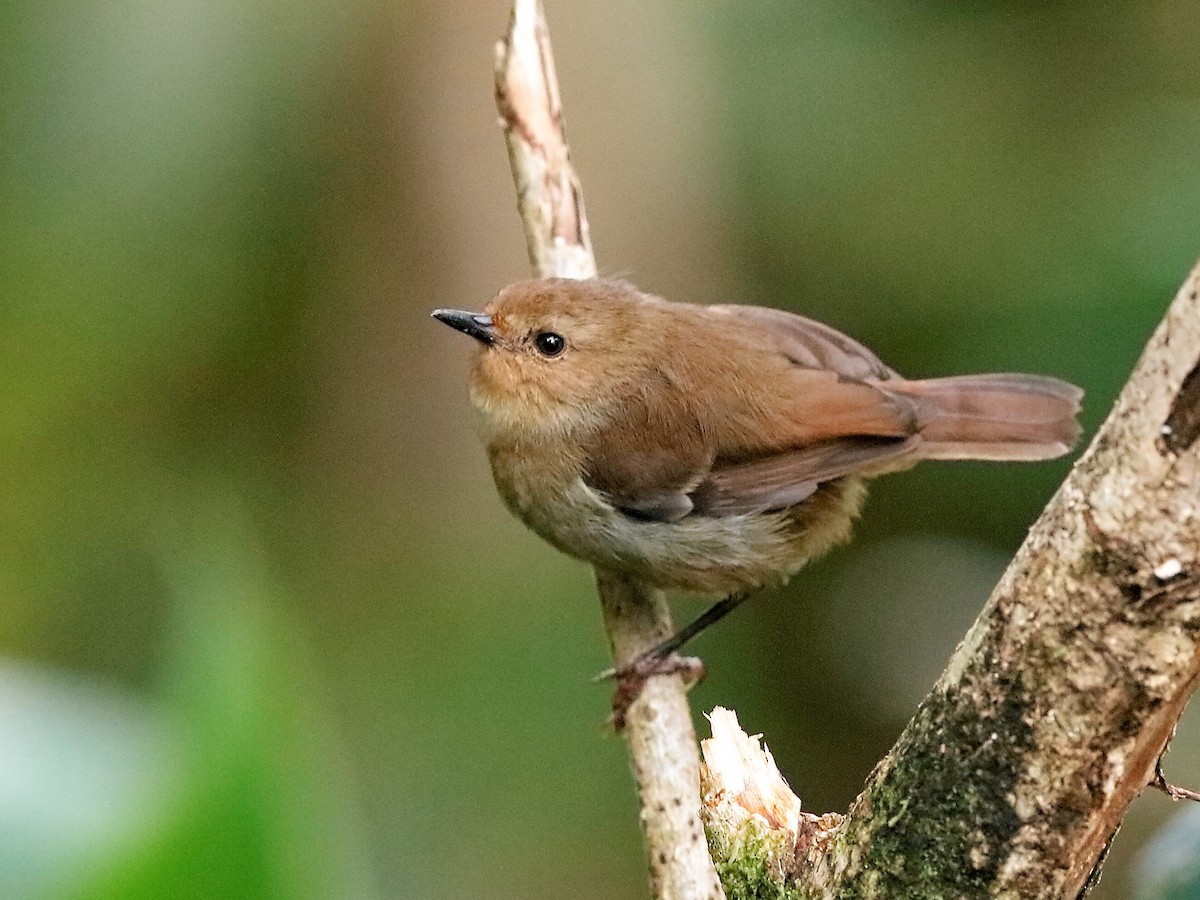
point(714, 449)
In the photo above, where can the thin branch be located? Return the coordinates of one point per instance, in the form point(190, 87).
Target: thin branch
point(658, 725)
point(549, 196)
point(1174, 791)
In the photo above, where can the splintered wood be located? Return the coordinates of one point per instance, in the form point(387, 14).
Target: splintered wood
point(749, 810)
point(739, 769)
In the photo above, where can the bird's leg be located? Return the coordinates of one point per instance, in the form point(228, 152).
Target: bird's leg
point(659, 658)
point(663, 660)
point(710, 616)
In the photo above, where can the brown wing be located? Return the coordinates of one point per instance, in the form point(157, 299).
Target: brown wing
point(808, 343)
point(822, 384)
point(648, 459)
point(827, 417)
point(780, 480)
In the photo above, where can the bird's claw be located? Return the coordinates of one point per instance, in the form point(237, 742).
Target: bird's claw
point(631, 677)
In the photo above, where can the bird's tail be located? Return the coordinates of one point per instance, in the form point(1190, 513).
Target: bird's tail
point(997, 417)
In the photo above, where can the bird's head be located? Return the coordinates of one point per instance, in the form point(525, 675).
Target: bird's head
point(553, 354)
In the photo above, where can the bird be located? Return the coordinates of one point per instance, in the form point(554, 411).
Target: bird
point(714, 449)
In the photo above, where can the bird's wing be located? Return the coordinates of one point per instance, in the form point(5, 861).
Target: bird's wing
point(779, 480)
point(651, 454)
point(807, 343)
point(822, 384)
point(829, 414)
point(668, 483)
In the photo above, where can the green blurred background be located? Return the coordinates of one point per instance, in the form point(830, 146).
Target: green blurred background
point(267, 630)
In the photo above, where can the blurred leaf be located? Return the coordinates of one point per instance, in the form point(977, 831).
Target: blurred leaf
point(85, 771)
point(259, 809)
point(1168, 868)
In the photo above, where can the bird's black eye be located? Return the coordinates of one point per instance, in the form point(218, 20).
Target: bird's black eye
point(549, 343)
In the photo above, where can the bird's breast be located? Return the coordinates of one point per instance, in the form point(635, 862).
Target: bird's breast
point(546, 489)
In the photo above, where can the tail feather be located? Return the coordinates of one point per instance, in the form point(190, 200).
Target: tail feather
point(995, 417)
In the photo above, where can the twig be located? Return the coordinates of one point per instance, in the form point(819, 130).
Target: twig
point(1174, 791)
point(662, 741)
point(759, 835)
point(549, 196)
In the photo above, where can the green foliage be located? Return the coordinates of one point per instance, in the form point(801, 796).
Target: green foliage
point(251, 807)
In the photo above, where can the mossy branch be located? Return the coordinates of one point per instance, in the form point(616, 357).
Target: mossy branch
point(1055, 710)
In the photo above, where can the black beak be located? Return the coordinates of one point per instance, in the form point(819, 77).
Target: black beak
point(476, 325)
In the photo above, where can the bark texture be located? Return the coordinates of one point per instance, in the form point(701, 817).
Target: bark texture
point(549, 196)
point(658, 724)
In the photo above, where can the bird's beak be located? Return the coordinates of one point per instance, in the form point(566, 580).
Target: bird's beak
point(477, 325)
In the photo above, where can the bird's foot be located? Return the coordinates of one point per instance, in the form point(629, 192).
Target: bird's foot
point(631, 677)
